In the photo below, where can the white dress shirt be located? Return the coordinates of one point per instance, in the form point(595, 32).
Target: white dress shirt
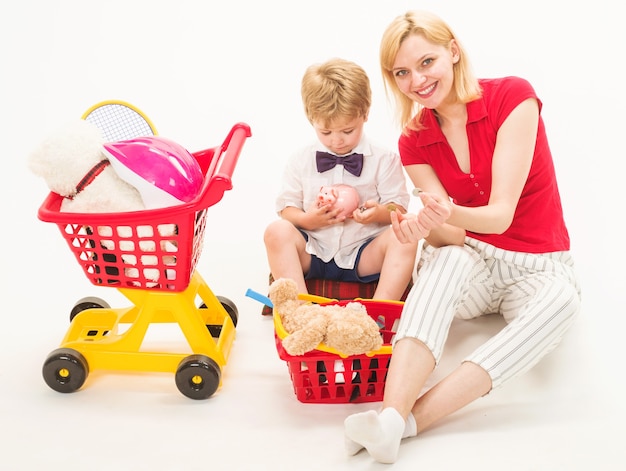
point(382, 180)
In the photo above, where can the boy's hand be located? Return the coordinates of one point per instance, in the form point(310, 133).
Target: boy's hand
point(370, 212)
point(323, 216)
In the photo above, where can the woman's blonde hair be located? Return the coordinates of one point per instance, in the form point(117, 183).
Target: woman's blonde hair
point(436, 31)
point(335, 89)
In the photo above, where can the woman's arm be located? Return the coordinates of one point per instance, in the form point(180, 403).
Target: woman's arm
point(512, 158)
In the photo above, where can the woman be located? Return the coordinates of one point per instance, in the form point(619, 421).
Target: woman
point(494, 236)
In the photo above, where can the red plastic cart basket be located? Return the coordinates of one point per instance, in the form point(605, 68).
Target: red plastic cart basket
point(155, 249)
point(324, 375)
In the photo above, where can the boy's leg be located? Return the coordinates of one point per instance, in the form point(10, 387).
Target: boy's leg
point(286, 252)
point(394, 261)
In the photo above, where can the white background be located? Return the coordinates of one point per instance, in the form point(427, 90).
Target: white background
point(196, 68)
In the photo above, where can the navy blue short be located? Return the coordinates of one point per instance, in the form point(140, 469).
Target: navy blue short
point(330, 271)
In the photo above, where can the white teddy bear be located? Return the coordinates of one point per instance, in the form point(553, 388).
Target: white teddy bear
point(73, 164)
point(75, 154)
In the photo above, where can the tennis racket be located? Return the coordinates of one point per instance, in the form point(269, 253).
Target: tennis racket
point(119, 120)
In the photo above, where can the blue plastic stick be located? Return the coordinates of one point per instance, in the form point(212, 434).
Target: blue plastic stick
point(259, 297)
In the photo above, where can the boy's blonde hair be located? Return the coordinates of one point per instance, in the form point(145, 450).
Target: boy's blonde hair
point(335, 89)
point(435, 30)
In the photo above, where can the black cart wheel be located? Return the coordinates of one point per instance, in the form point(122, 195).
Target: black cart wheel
point(231, 310)
point(230, 306)
point(90, 302)
point(198, 376)
point(65, 370)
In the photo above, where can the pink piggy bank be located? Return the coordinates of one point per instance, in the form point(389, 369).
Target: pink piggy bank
point(340, 195)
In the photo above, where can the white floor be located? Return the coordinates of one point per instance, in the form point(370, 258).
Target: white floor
point(198, 71)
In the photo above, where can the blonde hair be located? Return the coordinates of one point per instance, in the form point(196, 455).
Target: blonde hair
point(436, 31)
point(335, 89)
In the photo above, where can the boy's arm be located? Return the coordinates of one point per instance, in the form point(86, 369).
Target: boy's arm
point(372, 212)
point(391, 187)
point(314, 218)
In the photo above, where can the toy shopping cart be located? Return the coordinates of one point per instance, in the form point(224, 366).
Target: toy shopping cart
point(325, 375)
point(154, 268)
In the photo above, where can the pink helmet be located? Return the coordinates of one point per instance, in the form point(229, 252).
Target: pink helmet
point(164, 172)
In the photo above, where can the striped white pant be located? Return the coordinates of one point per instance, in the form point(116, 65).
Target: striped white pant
point(537, 294)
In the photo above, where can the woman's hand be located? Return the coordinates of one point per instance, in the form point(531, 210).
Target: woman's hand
point(413, 227)
point(436, 210)
point(407, 228)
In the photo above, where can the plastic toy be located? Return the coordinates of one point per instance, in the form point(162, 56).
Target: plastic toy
point(348, 328)
point(101, 337)
point(119, 120)
point(339, 195)
point(326, 375)
point(163, 171)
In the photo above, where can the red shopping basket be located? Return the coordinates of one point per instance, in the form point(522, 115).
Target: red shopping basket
point(155, 249)
point(324, 375)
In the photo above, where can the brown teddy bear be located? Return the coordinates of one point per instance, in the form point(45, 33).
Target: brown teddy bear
point(346, 328)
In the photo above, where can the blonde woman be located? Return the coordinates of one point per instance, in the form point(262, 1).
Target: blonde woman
point(495, 240)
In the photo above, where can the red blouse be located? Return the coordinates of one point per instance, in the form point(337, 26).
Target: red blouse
point(538, 225)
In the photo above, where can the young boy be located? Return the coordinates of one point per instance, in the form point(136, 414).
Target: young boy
point(315, 241)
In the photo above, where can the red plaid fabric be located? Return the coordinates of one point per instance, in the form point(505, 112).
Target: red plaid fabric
point(339, 290)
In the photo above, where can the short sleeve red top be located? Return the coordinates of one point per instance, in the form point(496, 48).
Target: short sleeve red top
point(538, 225)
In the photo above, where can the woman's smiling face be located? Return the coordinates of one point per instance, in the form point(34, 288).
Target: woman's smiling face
point(423, 71)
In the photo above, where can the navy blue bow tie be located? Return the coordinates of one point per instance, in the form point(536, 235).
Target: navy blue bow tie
point(353, 163)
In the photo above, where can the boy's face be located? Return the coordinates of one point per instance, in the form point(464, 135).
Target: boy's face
point(342, 135)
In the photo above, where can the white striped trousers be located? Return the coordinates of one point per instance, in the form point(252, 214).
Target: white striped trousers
point(537, 294)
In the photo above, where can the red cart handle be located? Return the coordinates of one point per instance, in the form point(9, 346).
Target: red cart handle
point(219, 163)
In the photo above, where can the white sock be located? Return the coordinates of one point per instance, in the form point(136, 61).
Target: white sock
point(379, 434)
point(352, 447)
point(410, 430)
